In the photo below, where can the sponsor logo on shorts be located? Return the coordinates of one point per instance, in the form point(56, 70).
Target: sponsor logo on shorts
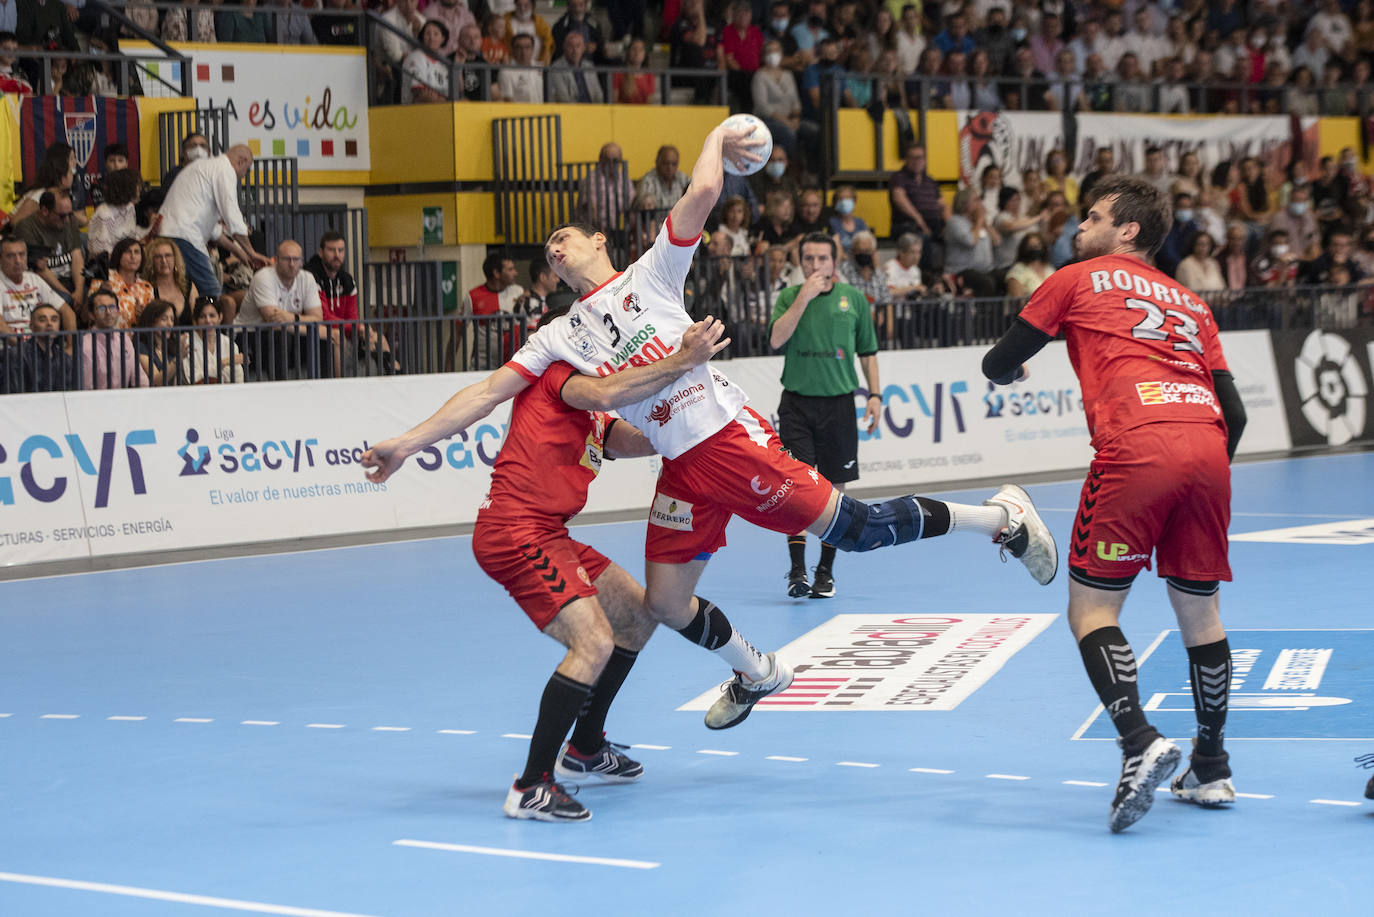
point(669, 513)
point(779, 496)
point(816, 478)
point(582, 575)
point(896, 662)
point(757, 485)
point(1118, 553)
point(1176, 393)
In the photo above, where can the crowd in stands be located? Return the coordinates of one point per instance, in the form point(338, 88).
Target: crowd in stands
point(117, 290)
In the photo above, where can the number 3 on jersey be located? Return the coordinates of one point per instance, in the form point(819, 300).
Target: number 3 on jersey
point(611, 327)
point(1151, 326)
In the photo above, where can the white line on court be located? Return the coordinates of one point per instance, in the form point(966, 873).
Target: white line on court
point(929, 770)
point(391, 729)
point(1082, 783)
point(127, 719)
point(1005, 777)
point(130, 891)
point(653, 747)
point(1334, 802)
point(785, 758)
point(712, 751)
point(260, 723)
point(4, 715)
point(458, 732)
point(854, 764)
point(60, 716)
point(192, 719)
point(1249, 795)
point(516, 735)
point(528, 854)
point(324, 725)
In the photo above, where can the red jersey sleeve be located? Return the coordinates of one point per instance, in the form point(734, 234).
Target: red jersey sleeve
point(555, 377)
point(1052, 299)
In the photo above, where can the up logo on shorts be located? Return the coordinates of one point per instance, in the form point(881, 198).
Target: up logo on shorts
point(1118, 552)
point(670, 513)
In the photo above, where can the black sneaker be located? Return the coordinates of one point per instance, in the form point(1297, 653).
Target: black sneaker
point(822, 584)
point(797, 585)
point(1141, 773)
point(547, 800)
point(1205, 781)
point(608, 764)
point(1367, 761)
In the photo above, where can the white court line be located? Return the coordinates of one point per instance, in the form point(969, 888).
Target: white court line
point(324, 725)
point(712, 751)
point(785, 758)
point(516, 735)
point(928, 770)
point(1250, 795)
point(391, 729)
point(529, 854)
point(458, 732)
point(653, 747)
point(5, 715)
point(192, 719)
point(854, 764)
point(60, 716)
point(1140, 662)
point(129, 719)
point(1005, 777)
point(260, 723)
point(1334, 802)
point(1083, 783)
point(130, 891)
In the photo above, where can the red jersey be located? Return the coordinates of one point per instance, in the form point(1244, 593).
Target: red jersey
point(551, 454)
point(1144, 347)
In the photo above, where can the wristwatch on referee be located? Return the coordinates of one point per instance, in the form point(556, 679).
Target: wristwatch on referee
point(876, 395)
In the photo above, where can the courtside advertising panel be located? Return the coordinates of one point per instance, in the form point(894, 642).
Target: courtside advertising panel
point(1326, 378)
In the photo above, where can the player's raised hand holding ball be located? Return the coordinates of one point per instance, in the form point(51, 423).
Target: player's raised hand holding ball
point(746, 144)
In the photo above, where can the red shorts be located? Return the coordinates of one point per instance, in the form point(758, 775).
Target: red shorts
point(1163, 488)
point(543, 571)
point(742, 470)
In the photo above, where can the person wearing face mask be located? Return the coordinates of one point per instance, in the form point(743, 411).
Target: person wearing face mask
point(774, 176)
point(1276, 265)
point(996, 39)
point(1032, 266)
point(844, 225)
point(194, 147)
point(860, 269)
point(775, 98)
point(1299, 222)
point(1175, 245)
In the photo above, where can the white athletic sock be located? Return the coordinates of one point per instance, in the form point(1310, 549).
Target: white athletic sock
point(741, 656)
point(981, 520)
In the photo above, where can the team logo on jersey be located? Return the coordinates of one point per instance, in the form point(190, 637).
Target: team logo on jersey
point(1150, 392)
point(839, 353)
point(631, 304)
point(758, 486)
point(669, 513)
point(844, 303)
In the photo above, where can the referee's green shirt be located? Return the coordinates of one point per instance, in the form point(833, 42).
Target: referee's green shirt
point(835, 327)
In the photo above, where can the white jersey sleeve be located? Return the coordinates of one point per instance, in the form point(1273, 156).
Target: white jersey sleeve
point(539, 351)
point(667, 262)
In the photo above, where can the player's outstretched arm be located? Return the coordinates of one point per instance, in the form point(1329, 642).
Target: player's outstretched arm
point(700, 343)
point(689, 214)
point(1004, 363)
point(465, 408)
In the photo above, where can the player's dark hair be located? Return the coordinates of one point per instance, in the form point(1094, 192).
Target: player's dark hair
point(1137, 201)
point(555, 312)
point(818, 238)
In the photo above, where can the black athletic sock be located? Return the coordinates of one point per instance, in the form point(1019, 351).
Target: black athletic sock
point(589, 732)
point(1111, 669)
point(1209, 668)
point(563, 698)
point(827, 561)
point(934, 516)
point(796, 550)
point(712, 630)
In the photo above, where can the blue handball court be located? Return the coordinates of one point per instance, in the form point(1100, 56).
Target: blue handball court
point(332, 732)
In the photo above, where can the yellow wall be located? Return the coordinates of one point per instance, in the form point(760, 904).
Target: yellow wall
point(150, 157)
point(1334, 134)
point(393, 220)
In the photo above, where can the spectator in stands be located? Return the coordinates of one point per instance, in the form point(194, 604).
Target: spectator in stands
point(404, 16)
point(571, 78)
point(883, 34)
point(523, 20)
point(1179, 240)
point(1025, 88)
point(910, 43)
point(1276, 264)
point(108, 357)
point(810, 213)
point(193, 146)
point(861, 268)
point(1033, 191)
point(955, 91)
point(453, 15)
point(478, 81)
point(39, 362)
point(55, 173)
point(45, 24)
point(1333, 99)
point(605, 194)
point(494, 49)
point(1312, 53)
point(774, 176)
point(1235, 263)
point(116, 157)
point(425, 72)
point(1198, 270)
point(497, 295)
point(286, 297)
point(1298, 221)
point(969, 240)
point(1133, 92)
point(160, 350)
point(522, 80)
point(782, 273)
point(341, 28)
point(734, 226)
point(1088, 41)
point(1173, 95)
point(1097, 85)
point(576, 19)
point(243, 27)
point(774, 92)
point(141, 13)
point(987, 96)
point(339, 299)
point(693, 42)
point(639, 86)
point(1031, 268)
point(54, 245)
point(1339, 248)
point(1255, 206)
point(165, 272)
point(926, 83)
point(905, 279)
point(1065, 91)
point(211, 356)
point(22, 291)
point(1190, 176)
point(818, 80)
point(1114, 44)
point(914, 198)
point(1156, 172)
point(662, 186)
point(126, 261)
point(1047, 42)
point(293, 28)
point(844, 224)
point(205, 195)
point(775, 229)
point(779, 28)
point(1057, 177)
point(114, 219)
point(811, 31)
point(1362, 30)
point(954, 38)
point(1301, 96)
point(196, 22)
point(541, 295)
point(11, 81)
point(1061, 225)
point(1103, 165)
point(1011, 228)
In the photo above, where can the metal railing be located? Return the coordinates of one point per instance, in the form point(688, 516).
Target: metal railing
point(129, 76)
point(174, 126)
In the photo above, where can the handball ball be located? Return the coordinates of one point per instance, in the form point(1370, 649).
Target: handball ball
point(760, 132)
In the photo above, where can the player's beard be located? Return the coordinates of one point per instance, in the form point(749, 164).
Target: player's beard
point(1086, 248)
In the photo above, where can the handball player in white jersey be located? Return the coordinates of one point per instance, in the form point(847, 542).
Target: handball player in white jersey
point(720, 457)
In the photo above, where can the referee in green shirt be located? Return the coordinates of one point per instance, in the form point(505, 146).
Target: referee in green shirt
point(820, 326)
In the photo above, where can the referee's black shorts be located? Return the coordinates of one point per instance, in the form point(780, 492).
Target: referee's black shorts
point(822, 431)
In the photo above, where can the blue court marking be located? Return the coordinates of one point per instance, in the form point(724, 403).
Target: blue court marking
point(265, 730)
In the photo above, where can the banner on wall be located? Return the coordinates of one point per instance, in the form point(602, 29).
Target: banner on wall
point(1024, 139)
point(299, 101)
point(86, 125)
point(1326, 378)
point(98, 473)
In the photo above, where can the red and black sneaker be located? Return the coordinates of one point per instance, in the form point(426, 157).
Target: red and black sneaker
point(608, 764)
point(546, 800)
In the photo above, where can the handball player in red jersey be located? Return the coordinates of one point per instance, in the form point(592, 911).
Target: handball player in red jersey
point(1165, 418)
point(720, 458)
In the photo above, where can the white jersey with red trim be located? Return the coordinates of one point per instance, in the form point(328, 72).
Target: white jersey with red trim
point(633, 319)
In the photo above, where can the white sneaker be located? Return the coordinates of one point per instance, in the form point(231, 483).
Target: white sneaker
point(1140, 775)
point(1026, 535)
point(740, 694)
point(1206, 781)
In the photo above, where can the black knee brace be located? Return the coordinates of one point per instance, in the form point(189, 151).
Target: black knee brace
point(860, 526)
